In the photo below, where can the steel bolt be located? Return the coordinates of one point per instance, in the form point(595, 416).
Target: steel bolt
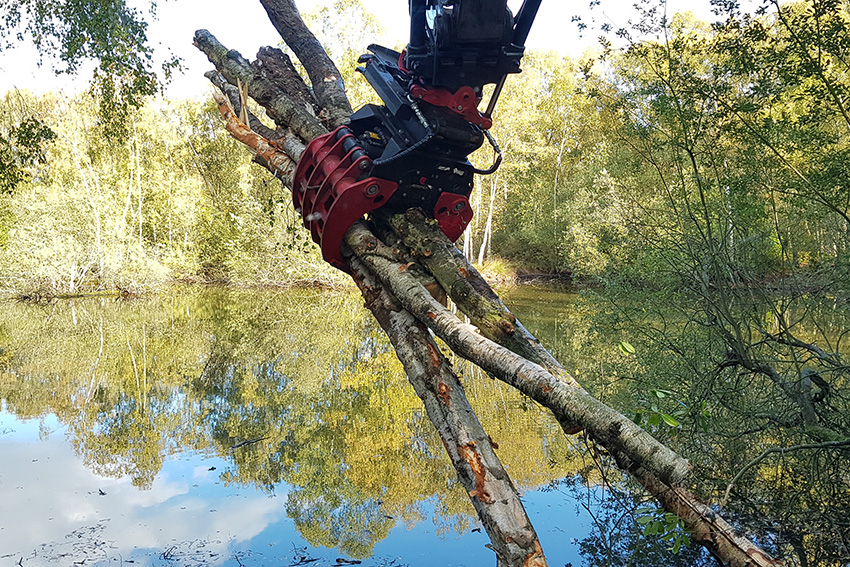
point(364, 164)
point(459, 206)
point(372, 190)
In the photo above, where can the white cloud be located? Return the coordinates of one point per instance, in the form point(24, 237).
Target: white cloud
point(52, 507)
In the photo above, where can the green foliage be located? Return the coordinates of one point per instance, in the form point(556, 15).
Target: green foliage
point(714, 155)
point(723, 377)
point(21, 148)
point(664, 525)
point(107, 31)
point(24, 139)
point(655, 417)
point(177, 198)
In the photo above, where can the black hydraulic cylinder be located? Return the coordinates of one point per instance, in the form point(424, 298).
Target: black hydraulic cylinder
point(524, 19)
point(418, 27)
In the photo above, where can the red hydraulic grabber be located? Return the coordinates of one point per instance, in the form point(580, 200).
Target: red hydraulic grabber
point(412, 150)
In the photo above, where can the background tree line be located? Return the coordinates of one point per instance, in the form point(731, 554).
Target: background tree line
point(717, 150)
point(174, 198)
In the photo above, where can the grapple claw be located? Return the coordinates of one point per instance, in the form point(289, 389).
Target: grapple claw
point(332, 190)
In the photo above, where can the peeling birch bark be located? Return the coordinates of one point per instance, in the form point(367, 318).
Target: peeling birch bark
point(235, 98)
point(276, 161)
point(490, 489)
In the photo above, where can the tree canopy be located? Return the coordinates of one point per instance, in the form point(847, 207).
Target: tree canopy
point(109, 32)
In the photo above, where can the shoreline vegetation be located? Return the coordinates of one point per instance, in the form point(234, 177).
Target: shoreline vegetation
point(498, 272)
point(627, 172)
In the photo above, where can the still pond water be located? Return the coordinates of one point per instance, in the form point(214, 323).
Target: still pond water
point(235, 428)
point(225, 427)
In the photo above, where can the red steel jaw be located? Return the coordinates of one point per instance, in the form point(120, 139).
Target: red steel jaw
point(328, 193)
point(463, 102)
point(453, 213)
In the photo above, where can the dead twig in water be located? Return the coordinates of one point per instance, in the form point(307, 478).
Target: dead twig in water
point(249, 442)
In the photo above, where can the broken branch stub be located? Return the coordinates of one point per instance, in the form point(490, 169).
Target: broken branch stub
point(324, 76)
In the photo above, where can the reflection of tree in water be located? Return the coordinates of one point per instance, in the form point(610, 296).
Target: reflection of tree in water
point(125, 441)
point(290, 394)
point(342, 519)
point(618, 538)
point(752, 418)
point(319, 403)
point(339, 439)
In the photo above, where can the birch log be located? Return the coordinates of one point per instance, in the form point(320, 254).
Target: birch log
point(390, 279)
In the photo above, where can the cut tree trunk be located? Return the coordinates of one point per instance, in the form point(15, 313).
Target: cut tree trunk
point(390, 271)
point(479, 470)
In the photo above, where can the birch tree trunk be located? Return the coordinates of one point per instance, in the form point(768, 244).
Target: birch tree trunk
point(393, 259)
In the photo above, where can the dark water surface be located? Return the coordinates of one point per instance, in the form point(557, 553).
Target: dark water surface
point(227, 427)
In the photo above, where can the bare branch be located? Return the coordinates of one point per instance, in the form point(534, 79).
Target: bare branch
point(470, 291)
point(279, 105)
point(325, 77)
point(770, 450)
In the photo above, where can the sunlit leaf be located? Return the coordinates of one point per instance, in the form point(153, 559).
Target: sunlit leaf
point(626, 347)
point(670, 420)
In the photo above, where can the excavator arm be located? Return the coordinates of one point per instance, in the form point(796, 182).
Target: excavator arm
point(412, 150)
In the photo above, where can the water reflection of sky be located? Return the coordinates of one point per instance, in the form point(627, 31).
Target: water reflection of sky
point(57, 512)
